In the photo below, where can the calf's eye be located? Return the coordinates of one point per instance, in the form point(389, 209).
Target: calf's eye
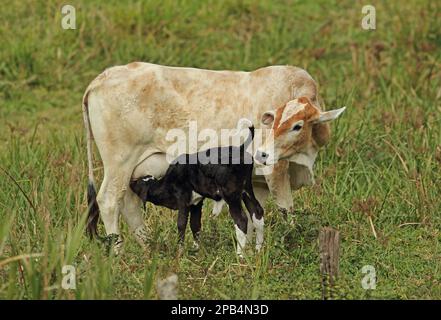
point(297, 127)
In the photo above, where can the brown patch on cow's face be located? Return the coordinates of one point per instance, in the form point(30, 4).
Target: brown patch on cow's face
point(291, 129)
point(291, 113)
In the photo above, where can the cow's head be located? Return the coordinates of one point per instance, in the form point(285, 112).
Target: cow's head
point(291, 129)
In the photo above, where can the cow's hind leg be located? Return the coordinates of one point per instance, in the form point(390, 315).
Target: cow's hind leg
point(155, 165)
point(132, 214)
point(110, 200)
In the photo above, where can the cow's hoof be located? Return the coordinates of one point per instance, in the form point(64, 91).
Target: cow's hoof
point(181, 248)
point(285, 212)
point(141, 237)
point(195, 247)
point(113, 242)
point(288, 215)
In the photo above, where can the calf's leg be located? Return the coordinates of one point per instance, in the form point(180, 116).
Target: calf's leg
point(256, 213)
point(195, 222)
point(182, 223)
point(241, 223)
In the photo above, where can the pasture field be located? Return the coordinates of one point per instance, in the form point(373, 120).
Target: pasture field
point(383, 161)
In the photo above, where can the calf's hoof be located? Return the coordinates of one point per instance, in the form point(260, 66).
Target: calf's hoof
point(240, 256)
point(240, 252)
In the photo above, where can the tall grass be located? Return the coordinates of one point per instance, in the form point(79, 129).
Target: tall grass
point(383, 161)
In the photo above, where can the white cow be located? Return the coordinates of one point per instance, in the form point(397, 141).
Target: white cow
point(129, 109)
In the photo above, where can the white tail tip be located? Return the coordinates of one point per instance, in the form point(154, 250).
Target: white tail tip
point(244, 123)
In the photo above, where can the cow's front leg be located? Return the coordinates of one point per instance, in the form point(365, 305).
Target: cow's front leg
point(110, 198)
point(279, 185)
point(256, 217)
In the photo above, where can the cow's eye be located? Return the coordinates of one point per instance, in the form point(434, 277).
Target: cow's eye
point(297, 127)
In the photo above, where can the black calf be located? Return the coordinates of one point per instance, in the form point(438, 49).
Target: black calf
point(191, 178)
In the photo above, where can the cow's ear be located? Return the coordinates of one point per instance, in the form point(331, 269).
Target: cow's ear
point(268, 117)
point(329, 115)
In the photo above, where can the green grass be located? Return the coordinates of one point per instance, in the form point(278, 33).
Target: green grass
point(383, 161)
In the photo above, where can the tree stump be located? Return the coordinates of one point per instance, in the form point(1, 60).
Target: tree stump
point(329, 244)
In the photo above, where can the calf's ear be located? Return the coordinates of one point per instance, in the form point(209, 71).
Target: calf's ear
point(329, 115)
point(268, 117)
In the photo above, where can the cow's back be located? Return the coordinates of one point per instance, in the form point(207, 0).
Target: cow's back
point(216, 99)
point(147, 100)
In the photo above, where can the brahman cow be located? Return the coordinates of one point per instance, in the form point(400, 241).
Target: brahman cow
point(128, 111)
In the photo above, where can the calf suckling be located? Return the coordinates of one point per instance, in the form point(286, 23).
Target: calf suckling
point(222, 173)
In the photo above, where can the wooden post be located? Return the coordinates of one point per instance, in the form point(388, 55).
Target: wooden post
point(168, 288)
point(329, 243)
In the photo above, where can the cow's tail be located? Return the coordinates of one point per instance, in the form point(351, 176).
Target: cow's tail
point(242, 124)
point(93, 209)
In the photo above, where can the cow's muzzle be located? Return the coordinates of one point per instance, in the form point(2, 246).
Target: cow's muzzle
point(261, 157)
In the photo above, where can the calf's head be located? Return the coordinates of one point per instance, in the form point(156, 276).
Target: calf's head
point(141, 186)
point(291, 129)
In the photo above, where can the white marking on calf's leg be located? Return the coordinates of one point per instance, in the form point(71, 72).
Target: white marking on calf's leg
point(241, 240)
point(217, 208)
point(195, 197)
point(259, 225)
